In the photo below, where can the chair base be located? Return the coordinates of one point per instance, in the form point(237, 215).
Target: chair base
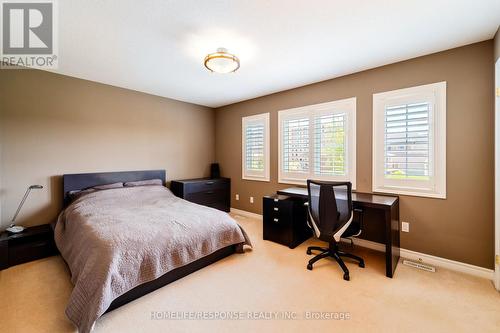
point(334, 252)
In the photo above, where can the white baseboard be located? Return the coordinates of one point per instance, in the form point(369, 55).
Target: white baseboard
point(432, 260)
point(449, 264)
point(245, 213)
point(408, 254)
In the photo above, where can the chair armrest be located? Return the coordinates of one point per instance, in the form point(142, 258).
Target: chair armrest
point(306, 204)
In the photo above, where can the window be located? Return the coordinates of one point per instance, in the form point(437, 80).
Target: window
point(255, 150)
point(318, 142)
point(409, 141)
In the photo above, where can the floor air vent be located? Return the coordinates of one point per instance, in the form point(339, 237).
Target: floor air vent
point(419, 265)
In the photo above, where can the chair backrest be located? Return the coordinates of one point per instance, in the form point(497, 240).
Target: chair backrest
point(330, 205)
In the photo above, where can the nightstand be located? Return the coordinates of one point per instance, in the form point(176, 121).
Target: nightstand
point(31, 244)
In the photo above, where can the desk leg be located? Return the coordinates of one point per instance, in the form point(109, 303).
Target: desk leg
point(391, 239)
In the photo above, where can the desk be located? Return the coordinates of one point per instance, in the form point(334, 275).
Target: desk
point(386, 207)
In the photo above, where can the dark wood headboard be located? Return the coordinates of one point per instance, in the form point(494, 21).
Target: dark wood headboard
point(81, 181)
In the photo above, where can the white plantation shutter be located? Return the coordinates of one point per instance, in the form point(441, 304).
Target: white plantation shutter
point(330, 144)
point(254, 154)
point(296, 145)
point(318, 142)
point(255, 147)
point(409, 141)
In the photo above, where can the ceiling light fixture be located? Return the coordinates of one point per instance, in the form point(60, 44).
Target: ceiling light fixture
point(222, 61)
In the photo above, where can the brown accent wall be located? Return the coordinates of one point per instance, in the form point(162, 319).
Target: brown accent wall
point(458, 228)
point(52, 124)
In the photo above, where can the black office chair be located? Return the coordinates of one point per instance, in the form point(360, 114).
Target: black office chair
point(331, 218)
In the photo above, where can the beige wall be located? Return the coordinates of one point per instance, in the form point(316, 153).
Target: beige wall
point(458, 228)
point(52, 124)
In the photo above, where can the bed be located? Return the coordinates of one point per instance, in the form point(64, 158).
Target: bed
point(122, 243)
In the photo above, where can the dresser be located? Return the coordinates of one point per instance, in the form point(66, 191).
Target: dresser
point(31, 244)
point(211, 192)
point(283, 220)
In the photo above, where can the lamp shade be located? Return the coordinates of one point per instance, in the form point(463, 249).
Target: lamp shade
point(222, 62)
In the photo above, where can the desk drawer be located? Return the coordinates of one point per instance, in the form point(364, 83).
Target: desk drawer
point(285, 220)
point(280, 220)
point(277, 208)
point(281, 217)
point(277, 220)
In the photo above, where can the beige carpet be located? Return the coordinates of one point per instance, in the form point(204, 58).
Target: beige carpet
point(271, 278)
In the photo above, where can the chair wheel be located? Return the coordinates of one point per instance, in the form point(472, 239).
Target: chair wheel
point(362, 264)
point(310, 267)
point(308, 252)
point(346, 277)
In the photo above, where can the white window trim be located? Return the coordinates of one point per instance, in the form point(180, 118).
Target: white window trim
point(347, 105)
point(436, 189)
point(265, 176)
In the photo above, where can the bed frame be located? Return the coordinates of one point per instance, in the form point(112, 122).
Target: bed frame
point(82, 181)
point(74, 182)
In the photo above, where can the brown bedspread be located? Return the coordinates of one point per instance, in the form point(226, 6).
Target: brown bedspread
point(117, 239)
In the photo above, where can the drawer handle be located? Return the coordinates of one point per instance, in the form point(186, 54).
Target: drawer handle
point(209, 183)
point(209, 192)
point(276, 208)
point(276, 200)
point(276, 220)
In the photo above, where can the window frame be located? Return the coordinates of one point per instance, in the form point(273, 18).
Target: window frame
point(435, 94)
point(263, 176)
point(347, 105)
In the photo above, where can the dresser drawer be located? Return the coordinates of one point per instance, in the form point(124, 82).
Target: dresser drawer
point(207, 197)
point(206, 185)
point(220, 205)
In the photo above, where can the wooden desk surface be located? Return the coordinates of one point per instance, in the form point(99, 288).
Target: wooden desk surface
point(368, 199)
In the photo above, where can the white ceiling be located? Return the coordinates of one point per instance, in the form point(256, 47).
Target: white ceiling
point(158, 46)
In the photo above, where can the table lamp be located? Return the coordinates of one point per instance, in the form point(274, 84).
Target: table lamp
point(13, 228)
